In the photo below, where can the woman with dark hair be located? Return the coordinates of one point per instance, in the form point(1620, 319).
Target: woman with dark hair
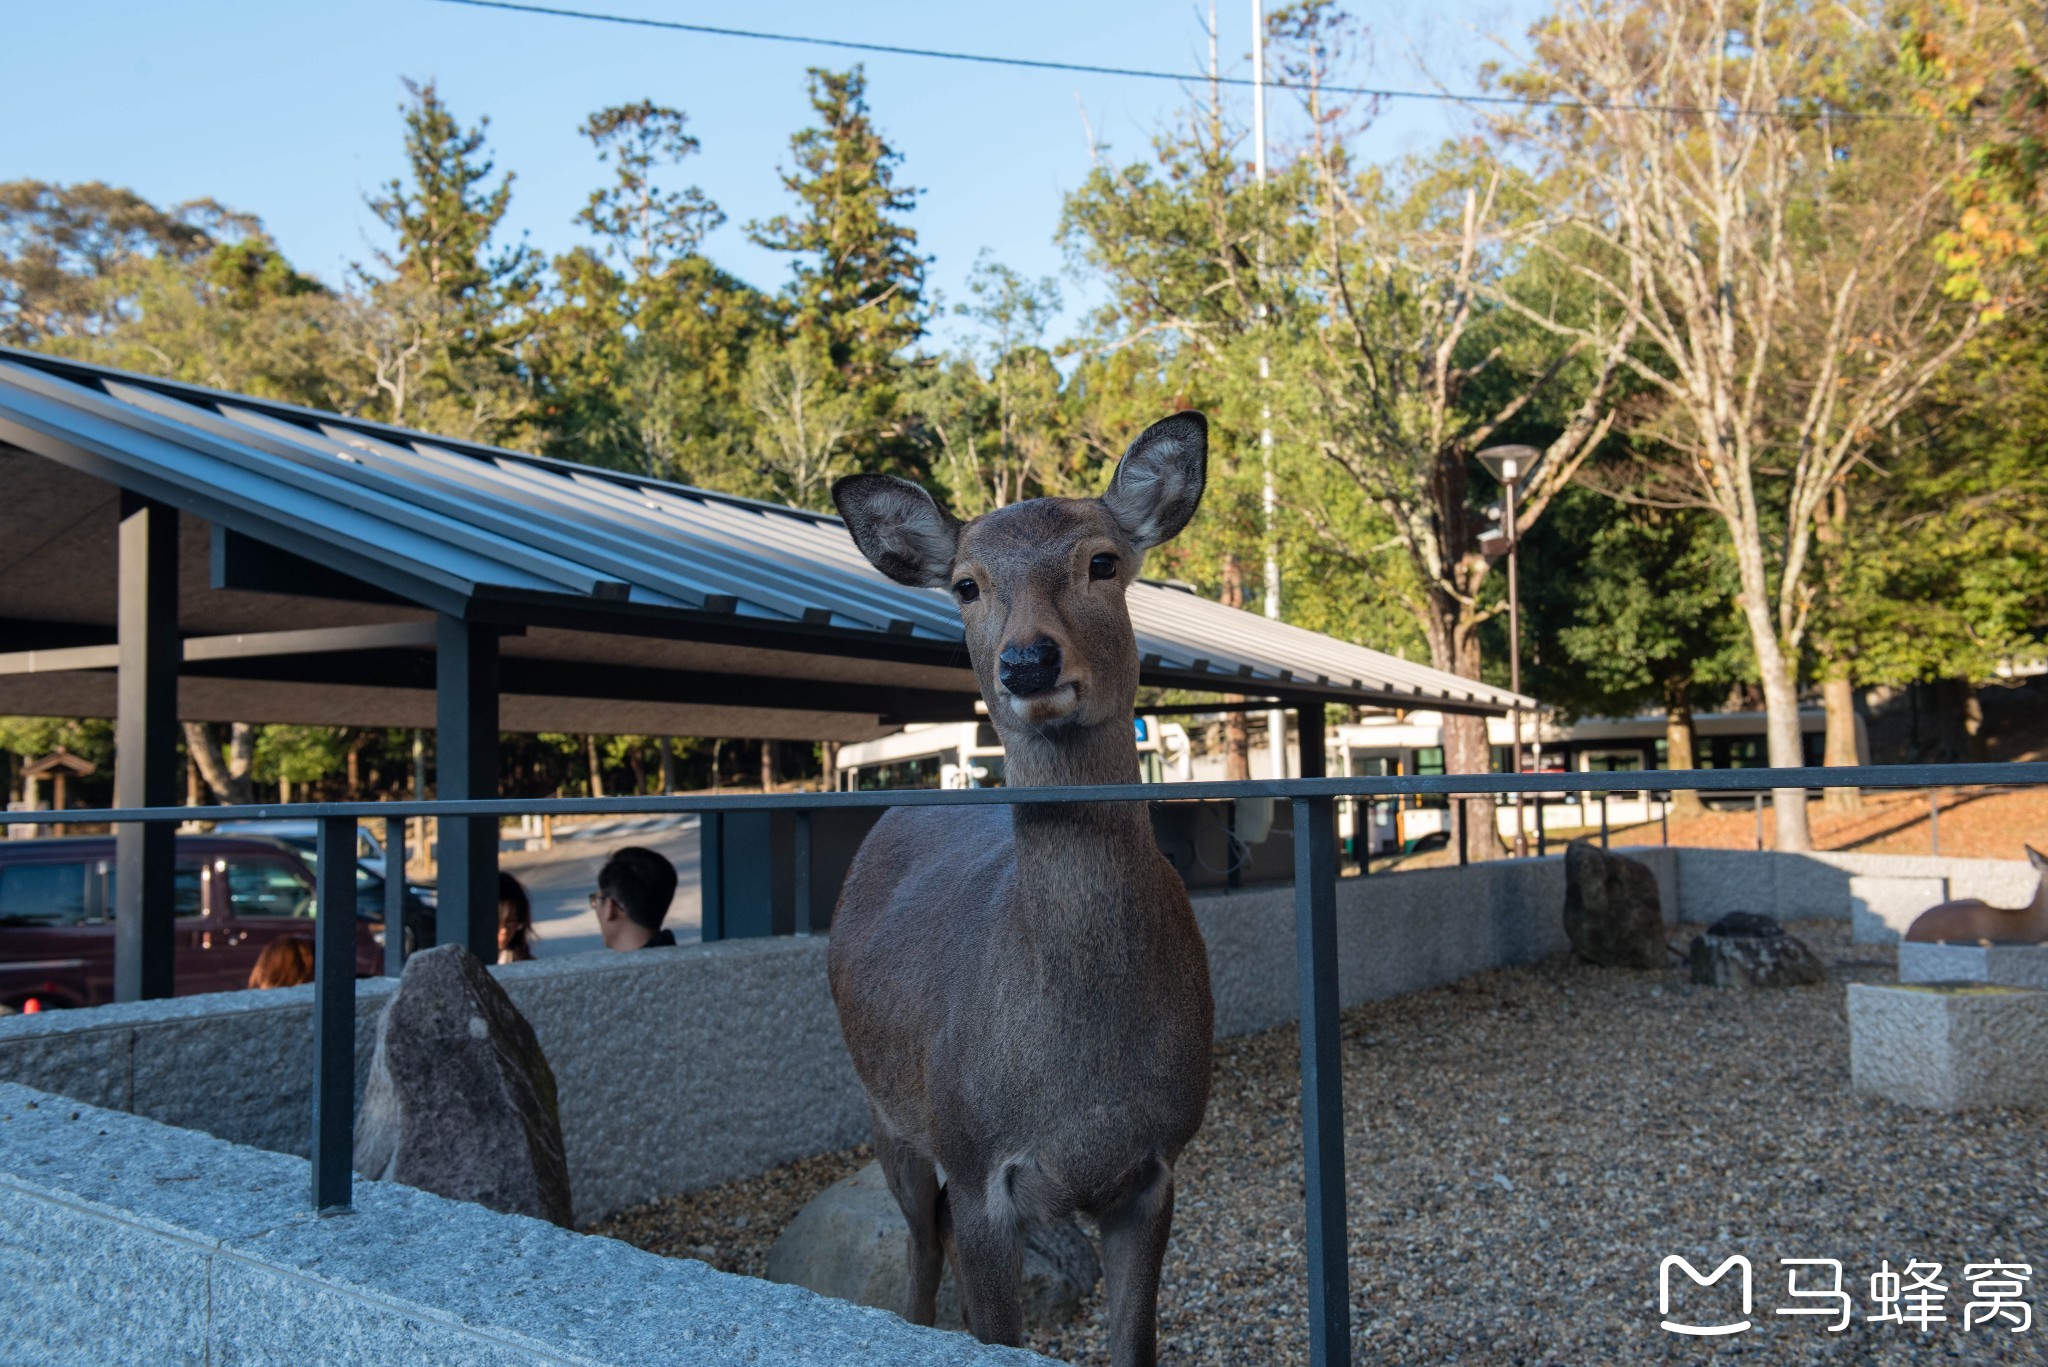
point(285, 962)
point(515, 921)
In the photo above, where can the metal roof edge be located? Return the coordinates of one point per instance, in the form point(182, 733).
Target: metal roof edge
point(72, 368)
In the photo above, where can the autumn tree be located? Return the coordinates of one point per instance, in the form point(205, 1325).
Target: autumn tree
point(1774, 252)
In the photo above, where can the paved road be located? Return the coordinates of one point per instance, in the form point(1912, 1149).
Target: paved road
point(559, 881)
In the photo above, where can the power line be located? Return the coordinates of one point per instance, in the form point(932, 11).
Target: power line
point(1139, 73)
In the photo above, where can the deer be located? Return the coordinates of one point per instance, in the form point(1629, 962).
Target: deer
point(1972, 921)
point(1024, 989)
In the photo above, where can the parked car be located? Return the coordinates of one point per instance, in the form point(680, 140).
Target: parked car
point(304, 836)
point(233, 896)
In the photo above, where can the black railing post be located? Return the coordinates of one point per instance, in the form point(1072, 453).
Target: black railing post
point(800, 875)
point(1542, 836)
point(394, 896)
point(710, 876)
point(1322, 1085)
point(1603, 821)
point(334, 1014)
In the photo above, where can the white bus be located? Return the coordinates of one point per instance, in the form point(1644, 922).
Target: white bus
point(968, 754)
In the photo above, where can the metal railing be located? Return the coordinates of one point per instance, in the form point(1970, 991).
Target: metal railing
point(1315, 875)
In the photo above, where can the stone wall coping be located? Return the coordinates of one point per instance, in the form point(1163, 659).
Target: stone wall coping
point(401, 1275)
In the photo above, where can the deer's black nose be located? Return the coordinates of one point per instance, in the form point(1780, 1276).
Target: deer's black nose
point(1030, 669)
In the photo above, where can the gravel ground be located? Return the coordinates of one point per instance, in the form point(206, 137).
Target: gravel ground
point(1523, 1148)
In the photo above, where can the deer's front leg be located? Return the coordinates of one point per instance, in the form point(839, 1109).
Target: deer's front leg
point(1134, 1232)
point(988, 1261)
point(915, 1185)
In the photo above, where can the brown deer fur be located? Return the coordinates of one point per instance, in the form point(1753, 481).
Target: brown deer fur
point(1971, 921)
point(1024, 991)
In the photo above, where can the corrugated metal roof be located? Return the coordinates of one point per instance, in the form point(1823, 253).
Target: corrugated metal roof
point(469, 520)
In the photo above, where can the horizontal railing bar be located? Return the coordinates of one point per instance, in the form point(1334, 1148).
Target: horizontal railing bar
point(1468, 785)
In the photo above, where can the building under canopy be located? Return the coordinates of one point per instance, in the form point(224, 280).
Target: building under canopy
point(173, 552)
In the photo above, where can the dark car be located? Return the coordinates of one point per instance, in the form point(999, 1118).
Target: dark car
point(232, 897)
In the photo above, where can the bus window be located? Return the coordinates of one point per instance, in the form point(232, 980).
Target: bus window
point(921, 772)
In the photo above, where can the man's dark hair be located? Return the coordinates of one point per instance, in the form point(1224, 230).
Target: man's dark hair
point(640, 881)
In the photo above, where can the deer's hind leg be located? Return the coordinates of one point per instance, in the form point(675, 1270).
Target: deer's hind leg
point(987, 1258)
point(1135, 1226)
point(914, 1182)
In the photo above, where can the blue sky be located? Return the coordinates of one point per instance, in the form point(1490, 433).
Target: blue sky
point(290, 110)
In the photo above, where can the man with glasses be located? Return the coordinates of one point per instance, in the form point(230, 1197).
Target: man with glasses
point(633, 892)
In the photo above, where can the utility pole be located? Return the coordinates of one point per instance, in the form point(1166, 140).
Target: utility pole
point(1215, 87)
point(1269, 500)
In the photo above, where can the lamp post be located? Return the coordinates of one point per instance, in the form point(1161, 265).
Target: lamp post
point(1511, 465)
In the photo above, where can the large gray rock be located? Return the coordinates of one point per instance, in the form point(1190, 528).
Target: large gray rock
point(1747, 949)
point(460, 1100)
point(850, 1242)
point(1612, 913)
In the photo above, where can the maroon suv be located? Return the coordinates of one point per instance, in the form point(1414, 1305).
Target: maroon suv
point(233, 897)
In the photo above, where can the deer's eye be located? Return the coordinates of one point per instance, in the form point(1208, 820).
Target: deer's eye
point(967, 590)
point(1102, 567)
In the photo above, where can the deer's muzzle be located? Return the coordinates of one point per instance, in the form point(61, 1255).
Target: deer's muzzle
point(1030, 669)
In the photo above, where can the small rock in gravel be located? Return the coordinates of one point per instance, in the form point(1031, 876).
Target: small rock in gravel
point(1746, 949)
point(849, 1241)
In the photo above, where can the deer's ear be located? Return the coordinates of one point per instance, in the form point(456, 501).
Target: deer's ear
point(1158, 483)
point(900, 528)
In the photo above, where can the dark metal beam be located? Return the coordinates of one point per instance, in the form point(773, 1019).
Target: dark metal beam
point(528, 676)
point(244, 563)
point(315, 642)
point(146, 748)
point(19, 634)
point(466, 766)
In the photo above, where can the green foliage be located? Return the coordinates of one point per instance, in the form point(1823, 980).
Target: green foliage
point(441, 330)
point(858, 292)
point(33, 737)
point(299, 754)
point(1633, 608)
point(639, 356)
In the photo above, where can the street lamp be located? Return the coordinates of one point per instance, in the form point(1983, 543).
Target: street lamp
point(1511, 465)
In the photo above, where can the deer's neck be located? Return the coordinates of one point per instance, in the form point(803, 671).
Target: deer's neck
point(1079, 846)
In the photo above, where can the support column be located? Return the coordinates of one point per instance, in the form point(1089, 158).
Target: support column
point(466, 766)
point(1310, 740)
point(146, 766)
point(1314, 763)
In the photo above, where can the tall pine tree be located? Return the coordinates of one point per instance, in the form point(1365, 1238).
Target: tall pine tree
point(440, 330)
point(858, 293)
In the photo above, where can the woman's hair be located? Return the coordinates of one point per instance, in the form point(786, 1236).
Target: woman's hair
point(515, 919)
point(285, 962)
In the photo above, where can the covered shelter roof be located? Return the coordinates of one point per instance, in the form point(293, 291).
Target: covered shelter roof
point(316, 553)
